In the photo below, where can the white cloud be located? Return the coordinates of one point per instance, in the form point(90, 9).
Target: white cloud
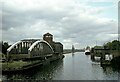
point(69, 21)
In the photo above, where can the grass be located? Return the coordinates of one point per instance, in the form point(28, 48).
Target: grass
point(16, 64)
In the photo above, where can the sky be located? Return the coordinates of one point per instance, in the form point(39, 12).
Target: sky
point(72, 22)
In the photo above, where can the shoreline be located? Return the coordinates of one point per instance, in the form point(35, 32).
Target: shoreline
point(18, 66)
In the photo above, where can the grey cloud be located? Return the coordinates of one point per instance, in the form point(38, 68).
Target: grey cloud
point(66, 24)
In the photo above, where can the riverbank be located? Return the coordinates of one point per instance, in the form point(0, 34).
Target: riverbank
point(20, 65)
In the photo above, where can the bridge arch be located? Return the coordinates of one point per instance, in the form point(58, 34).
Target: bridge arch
point(40, 49)
point(20, 47)
point(12, 49)
point(30, 49)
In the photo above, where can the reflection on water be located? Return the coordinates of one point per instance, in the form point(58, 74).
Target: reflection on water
point(76, 66)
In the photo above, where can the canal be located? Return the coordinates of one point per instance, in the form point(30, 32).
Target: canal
point(77, 66)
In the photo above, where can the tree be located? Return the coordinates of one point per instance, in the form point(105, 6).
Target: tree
point(4, 47)
point(114, 45)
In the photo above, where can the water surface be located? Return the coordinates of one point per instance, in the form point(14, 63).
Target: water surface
point(77, 66)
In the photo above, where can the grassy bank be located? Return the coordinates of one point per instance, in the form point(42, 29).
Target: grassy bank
point(17, 64)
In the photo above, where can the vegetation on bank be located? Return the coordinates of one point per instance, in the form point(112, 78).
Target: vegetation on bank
point(18, 64)
point(4, 46)
point(113, 45)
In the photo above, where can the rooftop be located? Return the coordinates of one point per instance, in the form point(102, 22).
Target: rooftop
point(48, 34)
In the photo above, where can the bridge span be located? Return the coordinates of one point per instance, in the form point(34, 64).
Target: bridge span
point(34, 48)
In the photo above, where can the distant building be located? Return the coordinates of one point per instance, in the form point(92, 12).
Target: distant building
point(73, 49)
point(48, 37)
